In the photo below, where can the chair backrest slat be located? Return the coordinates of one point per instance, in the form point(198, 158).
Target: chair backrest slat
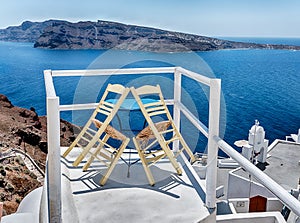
point(152, 109)
point(147, 89)
point(103, 112)
point(108, 104)
point(105, 108)
point(116, 88)
point(157, 103)
point(157, 113)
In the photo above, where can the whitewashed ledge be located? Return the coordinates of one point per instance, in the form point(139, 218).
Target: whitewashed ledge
point(173, 198)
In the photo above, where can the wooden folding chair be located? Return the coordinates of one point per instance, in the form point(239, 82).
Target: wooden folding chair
point(89, 139)
point(159, 131)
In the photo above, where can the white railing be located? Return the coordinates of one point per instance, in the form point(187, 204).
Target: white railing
point(212, 133)
point(53, 109)
point(284, 196)
point(53, 190)
point(214, 110)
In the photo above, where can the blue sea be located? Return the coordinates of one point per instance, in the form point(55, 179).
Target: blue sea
point(256, 84)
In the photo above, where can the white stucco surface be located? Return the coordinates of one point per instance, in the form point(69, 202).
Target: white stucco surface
point(131, 199)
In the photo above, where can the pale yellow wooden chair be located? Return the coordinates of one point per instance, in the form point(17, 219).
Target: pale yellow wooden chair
point(159, 131)
point(90, 140)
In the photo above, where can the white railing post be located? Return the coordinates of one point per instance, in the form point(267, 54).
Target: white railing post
point(53, 188)
point(176, 107)
point(53, 163)
point(214, 121)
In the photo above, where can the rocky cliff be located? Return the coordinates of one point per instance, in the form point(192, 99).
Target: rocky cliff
point(26, 32)
point(23, 130)
point(55, 34)
point(108, 35)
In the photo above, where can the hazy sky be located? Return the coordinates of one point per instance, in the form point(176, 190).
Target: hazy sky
point(263, 18)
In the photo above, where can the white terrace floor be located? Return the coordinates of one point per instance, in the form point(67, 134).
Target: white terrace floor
point(130, 199)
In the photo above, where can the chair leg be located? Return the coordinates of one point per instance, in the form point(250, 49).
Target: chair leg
point(82, 155)
point(189, 152)
point(114, 162)
point(79, 136)
point(88, 147)
point(69, 149)
point(89, 162)
point(172, 159)
point(186, 148)
point(144, 162)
